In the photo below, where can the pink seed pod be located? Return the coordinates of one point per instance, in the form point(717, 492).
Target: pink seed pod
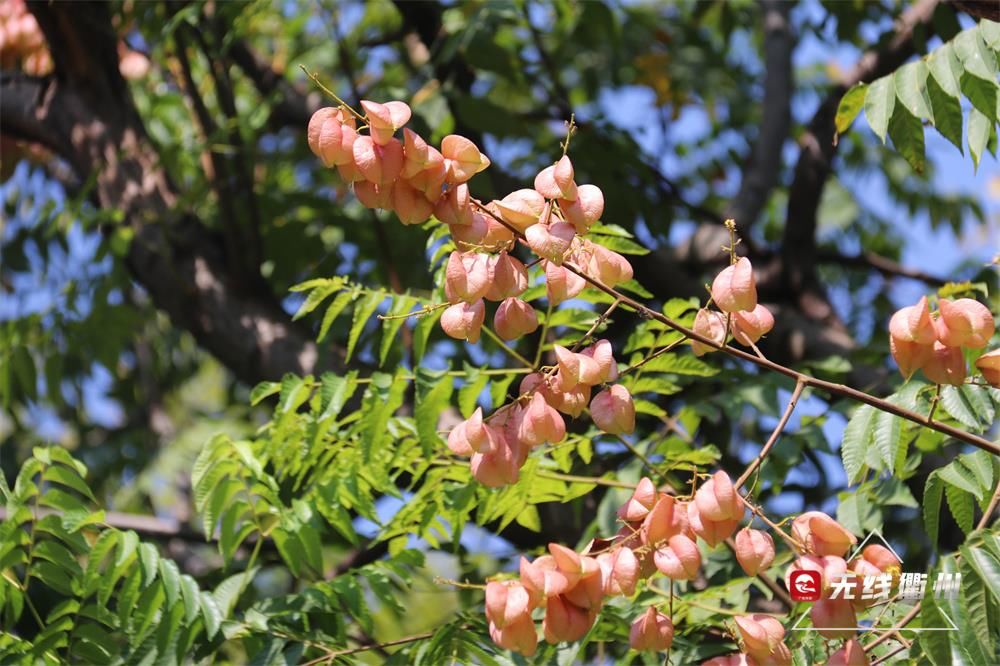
point(521, 208)
point(348, 171)
point(761, 636)
point(718, 500)
point(543, 579)
point(514, 318)
point(571, 402)
point(464, 321)
point(430, 179)
point(507, 602)
point(385, 119)
point(577, 368)
point(467, 276)
point(551, 241)
point(602, 352)
point(380, 164)
point(613, 410)
point(588, 593)
point(374, 196)
point(731, 660)
point(679, 559)
point(910, 356)
point(411, 206)
point(989, 365)
point(642, 501)
point(667, 518)
point(565, 621)
point(619, 571)
point(913, 324)
point(586, 210)
point(964, 323)
point(652, 631)
point(499, 467)
point(712, 532)
point(472, 435)
point(709, 324)
point(822, 535)
point(540, 423)
point(734, 289)
point(416, 154)
point(462, 159)
point(749, 327)
point(519, 636)
point(466, 236)
point(324, 136)
point(829, 568)
point(561, 284)
point(834, 618)
point(883, 558)
point(606, 265)
point(556, 181)
point(455, 207)
point(851, 654)
point(946, 365)
point(510, 278)
point(754, 550)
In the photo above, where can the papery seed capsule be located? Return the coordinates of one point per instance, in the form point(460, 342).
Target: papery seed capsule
point(652, 631)
point(735, 289)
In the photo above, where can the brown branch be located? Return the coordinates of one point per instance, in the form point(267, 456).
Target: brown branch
point(990, 508)
point(807, 380)
point(884, 265)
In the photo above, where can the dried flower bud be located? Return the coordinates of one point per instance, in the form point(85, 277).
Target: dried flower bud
point(913, 324)
point(380, 164)
point(556, 181)
point(989, 365)
point(561, 284)
point(946, 365)
point(521, 208)
point(540, 423)
point(679, 559)
point(462, 158)
point(652, 631)
point(964, 323)
point(510, 277)
point(551, 241)
point(455, 208)
point(507, 602)
point(385, 119)
point(641, 502)
point(822, 535)
point(734, 289)
point(613, 410)
point(463, 321)
point(519, 637)
point(718, 500)
point(749, 327)
point(411, 206)
point(834, 618)
point(851, 654)
point(514, 318)
point(709, 324)
point(754, 550)
point(586, 210)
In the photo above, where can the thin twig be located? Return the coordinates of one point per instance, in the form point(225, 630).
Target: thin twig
point(990, 508)
point(507, 348)
point(759, 460)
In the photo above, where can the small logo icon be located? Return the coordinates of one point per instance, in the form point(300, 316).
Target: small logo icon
point(805, 585)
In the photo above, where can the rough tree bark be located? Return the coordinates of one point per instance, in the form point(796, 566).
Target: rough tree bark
point(85, 113)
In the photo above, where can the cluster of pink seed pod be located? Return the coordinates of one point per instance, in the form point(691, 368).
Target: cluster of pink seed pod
point(660, 533)
point(500, 443)
point(734, 292)
point(934, 343)
point(22, 43)
point(416, 181)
